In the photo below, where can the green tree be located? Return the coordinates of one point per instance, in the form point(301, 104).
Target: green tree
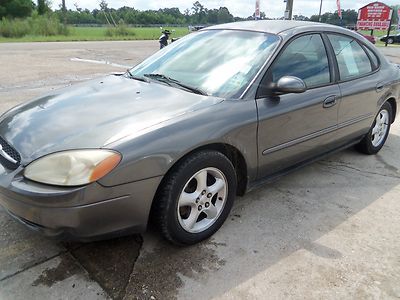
point(349, 17)
point(16, 8)
point(199, 12)
point(41, 7)
point(300, 18)
point(395, 16)
point(224, 16)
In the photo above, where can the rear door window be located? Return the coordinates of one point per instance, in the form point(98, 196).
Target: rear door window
point(352, 60)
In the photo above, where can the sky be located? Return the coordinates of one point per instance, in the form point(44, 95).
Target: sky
point(241, 8)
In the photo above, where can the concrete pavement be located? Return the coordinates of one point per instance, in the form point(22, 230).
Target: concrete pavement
point(330, 230)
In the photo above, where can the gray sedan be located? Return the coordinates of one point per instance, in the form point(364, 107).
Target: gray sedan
point(176, 138)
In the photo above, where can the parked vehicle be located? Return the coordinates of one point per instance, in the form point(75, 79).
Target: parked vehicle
point(177, 137)
point(196, 28)
point(370, 38)
point(392, 39)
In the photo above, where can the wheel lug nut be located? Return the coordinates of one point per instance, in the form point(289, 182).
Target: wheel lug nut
point(197, 200)
point(207, 204)
point(220, 198)
point(203, 192)
point(200, 207)
point(209, 195)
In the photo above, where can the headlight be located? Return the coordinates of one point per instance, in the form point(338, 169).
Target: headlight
point(72, 168)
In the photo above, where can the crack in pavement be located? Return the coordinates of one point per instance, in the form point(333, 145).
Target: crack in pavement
point(160, 269)
point(133, 268)
point(110, 263)
point(386, 164)
point(34, 265)
point(337, 166)
point(67, 268)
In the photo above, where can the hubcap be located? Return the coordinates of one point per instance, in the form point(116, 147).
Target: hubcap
point(380, 129)
point(202, 200)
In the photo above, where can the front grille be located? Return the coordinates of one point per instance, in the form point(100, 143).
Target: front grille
point(7, 149)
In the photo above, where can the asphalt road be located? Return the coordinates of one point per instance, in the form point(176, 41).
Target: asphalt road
point(328, 231)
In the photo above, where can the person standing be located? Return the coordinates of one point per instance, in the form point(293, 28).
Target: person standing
point(164, 38)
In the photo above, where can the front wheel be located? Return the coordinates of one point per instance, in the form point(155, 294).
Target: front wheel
point(196, 197)
point(373, 142)
point(390, 41)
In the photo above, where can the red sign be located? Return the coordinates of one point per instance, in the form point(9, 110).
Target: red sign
point(375, 15)
point(258, 13)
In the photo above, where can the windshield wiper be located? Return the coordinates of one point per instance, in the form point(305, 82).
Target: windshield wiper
point(169, 81)
point(160, 77)
point(136, 77)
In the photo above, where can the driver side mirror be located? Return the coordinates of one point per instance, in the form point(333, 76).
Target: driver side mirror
point(289, 84)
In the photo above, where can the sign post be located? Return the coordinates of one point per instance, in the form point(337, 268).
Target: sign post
point(390, 26)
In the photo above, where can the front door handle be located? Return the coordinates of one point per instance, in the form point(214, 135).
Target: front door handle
point(330, 101)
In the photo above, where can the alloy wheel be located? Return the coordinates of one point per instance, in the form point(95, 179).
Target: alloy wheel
point(380, 129)
point(202, 200)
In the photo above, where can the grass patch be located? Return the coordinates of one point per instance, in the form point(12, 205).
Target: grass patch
point(99, 34)
point(14, 28)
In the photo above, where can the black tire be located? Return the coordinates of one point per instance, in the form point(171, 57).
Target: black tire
point(165, 208)
point(366, 146)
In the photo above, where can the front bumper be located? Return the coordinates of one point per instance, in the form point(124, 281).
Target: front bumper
point(83, 213)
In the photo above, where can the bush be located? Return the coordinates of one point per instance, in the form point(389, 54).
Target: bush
point(46, 25)
point(14, 28)
point(120, 30)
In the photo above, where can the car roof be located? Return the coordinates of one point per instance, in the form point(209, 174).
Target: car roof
point(275, 26)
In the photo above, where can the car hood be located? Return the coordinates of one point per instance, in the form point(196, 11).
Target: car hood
point(94, 114)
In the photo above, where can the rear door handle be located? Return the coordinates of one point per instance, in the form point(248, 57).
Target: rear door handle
point(330, 101)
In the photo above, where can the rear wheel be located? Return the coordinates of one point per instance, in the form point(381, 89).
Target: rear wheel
point(196, 198)
point(390, 41)
point(377, 135)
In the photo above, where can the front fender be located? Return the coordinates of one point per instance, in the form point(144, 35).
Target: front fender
point(154, 152)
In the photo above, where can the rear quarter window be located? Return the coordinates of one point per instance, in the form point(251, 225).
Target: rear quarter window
point(373, 57)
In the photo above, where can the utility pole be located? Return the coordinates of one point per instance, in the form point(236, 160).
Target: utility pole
point(64, 12)
point(289, 9)
point(320, 12)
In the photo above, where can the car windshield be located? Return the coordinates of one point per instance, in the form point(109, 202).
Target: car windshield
point(221, 63)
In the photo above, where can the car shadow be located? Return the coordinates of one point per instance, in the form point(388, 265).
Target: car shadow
point(268, 225)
